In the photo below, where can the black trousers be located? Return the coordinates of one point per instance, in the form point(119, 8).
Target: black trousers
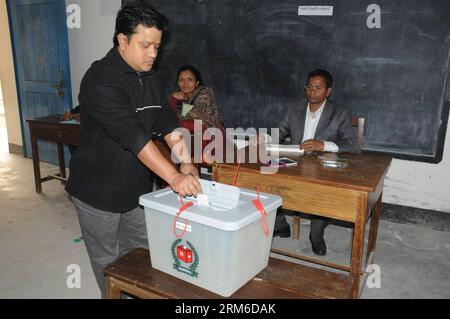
point(318, 225)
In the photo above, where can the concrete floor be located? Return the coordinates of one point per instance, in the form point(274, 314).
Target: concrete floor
point(38, 243)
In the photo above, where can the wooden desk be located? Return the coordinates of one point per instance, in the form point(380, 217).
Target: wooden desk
point(50, 129)
point(133, 274)
point(351, 194)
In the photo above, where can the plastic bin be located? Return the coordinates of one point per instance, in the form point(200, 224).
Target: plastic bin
point(224, 244)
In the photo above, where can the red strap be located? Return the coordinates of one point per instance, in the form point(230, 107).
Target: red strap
point(236, 175)
point(259, 206)
point(174, 225)
point(257, 203)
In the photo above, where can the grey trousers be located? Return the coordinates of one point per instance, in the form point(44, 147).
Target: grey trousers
point(108, 236)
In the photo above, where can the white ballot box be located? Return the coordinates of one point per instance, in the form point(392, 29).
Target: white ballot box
point(218, 243)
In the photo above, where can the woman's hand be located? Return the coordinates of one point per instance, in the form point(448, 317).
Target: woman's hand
point(259, 139)
point(179, 95)
point(186, 185)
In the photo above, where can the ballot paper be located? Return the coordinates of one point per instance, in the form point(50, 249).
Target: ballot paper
point(284, 149)
point(216, 195)
point(185, 109)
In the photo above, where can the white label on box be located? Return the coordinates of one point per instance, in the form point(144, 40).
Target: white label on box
point(182, 226)
point(315, 10)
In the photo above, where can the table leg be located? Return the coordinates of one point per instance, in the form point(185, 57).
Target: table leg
point(296, 227)
point(376, 212)
point(357, 249)
point(37, 170)
point(62, 163)
point(112, 291)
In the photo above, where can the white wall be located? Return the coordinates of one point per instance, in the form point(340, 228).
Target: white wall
point(93, 40)
point(420, 185)
point(408, 183)
point(7, 77)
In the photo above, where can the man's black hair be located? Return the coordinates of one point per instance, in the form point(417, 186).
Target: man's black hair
point(323, 73)
point(134, 13)
point(198, 76)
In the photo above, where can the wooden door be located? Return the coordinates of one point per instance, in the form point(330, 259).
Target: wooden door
point(41, 58)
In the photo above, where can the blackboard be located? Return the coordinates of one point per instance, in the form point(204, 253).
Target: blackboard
point(256, 54)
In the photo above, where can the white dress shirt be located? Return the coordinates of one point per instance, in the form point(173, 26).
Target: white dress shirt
point(311, 121)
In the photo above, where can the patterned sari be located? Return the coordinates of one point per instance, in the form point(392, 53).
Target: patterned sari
point(204, 108)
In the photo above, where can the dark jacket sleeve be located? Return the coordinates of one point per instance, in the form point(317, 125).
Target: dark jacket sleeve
point(167, 121)
point(110, 109)
point(284, 125)
point(346, 135)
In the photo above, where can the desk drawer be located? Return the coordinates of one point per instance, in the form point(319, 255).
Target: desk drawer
point(307, 197)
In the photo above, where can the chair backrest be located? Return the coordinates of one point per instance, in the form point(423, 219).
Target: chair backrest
point(358, 126)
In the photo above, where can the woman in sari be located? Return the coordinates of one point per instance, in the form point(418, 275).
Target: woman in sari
point(195, 101)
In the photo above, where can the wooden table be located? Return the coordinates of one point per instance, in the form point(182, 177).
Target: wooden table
point(133, 275)
point(51, 129)
point(351, 194)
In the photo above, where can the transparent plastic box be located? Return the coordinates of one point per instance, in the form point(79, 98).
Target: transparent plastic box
point(223, 247)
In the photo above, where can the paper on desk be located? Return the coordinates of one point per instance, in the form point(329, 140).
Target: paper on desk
point(72, 121)
point(291, 149)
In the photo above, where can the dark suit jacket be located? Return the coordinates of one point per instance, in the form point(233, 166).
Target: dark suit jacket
point(335, 125)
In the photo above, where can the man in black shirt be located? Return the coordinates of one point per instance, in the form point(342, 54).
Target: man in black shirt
point(73, 114)
point(122, 113)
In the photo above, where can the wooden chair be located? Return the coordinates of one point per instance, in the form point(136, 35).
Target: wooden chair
point(358, 127)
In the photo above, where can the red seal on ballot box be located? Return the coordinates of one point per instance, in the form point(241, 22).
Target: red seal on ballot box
point(184, 254)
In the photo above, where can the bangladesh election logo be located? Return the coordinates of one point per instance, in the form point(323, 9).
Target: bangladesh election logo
point(185, 258)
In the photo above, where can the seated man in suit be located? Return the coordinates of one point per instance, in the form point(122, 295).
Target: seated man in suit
point(317, 125)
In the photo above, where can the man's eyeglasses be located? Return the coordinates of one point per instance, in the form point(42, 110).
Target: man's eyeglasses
point(310, 87)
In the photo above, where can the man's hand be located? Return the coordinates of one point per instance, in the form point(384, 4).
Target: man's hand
point(188, 169)
point(186, 185)
point(259, 139)
point(312, 145)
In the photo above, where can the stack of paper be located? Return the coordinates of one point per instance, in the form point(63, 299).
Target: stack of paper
point(289, 149)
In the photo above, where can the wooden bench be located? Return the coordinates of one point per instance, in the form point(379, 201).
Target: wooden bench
point(132, 274)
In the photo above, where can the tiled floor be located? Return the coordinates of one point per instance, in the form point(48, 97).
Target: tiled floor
point(38, 243)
